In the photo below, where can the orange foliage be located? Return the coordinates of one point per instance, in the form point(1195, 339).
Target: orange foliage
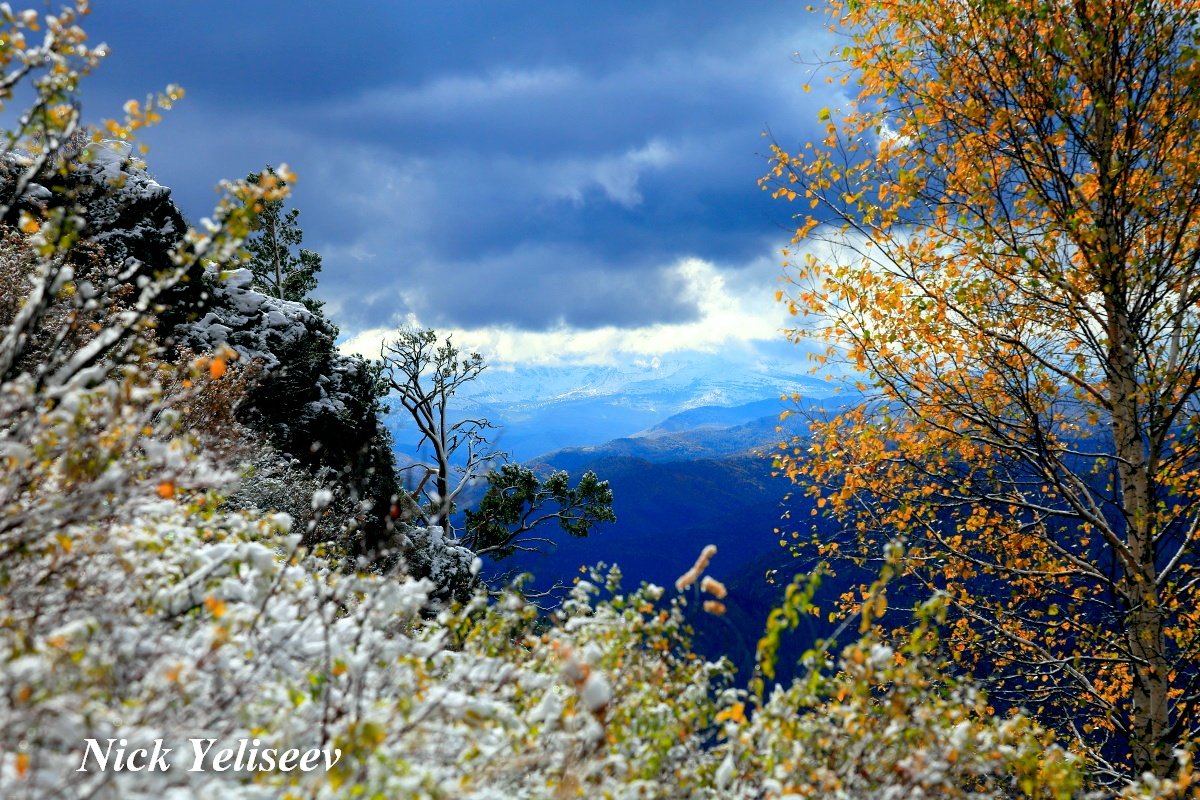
point(1013, 204)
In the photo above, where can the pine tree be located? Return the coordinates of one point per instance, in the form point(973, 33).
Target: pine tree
point(279, 272)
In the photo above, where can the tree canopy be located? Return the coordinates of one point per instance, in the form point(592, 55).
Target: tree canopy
point(425, 372)
point(517, 503)
point(280, 271)
point(1002, 240)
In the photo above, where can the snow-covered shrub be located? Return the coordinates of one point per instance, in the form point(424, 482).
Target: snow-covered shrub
point(884, 719)
point(889, 723)
point(1185, 783)
point(317, 501)
point(451, 567)
point(173, 622)
point(139, 612)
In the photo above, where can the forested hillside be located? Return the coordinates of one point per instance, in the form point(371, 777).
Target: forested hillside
point(217, 581)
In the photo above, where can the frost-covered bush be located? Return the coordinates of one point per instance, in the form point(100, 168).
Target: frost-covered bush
point(888, 723)
point(449, 566)
point(883, 719)
point(138, 610)
point(317, 502)
point(174, 622)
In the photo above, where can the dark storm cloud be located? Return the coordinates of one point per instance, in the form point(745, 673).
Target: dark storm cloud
point(520, 164)
point(540, 286)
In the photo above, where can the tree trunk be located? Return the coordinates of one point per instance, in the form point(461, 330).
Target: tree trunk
point(275, 260)
point(1149, 671)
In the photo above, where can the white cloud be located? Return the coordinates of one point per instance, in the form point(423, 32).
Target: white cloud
point(616, 176)
point(455, 93)
point(732, 314)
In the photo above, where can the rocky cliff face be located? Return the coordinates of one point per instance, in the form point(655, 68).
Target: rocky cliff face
point(315, 410)
point(130, 217)
point(315, 405)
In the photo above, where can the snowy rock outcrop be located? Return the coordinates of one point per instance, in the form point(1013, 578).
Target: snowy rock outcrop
point(315, 410)
point(261, 329)
point(129, 216)
point(451, 567)
point(309, 402)
point(316, 405)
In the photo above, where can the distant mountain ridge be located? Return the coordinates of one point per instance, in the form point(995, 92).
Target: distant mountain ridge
point(672, 504)
point(718, 416)
point(686, 448)
point(543, 409)
point(664, 387)
point(708, 432)
point(677, 488)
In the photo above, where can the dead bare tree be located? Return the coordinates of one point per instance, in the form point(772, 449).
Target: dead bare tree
point(425, 372)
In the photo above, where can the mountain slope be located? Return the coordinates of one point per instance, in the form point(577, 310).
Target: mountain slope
point(668, 511)
point(542, 409)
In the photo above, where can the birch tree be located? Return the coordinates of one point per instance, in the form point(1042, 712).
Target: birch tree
point(1000, 236)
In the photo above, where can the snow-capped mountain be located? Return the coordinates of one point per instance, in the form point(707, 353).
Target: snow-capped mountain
point(544, 408)
point(661, 386)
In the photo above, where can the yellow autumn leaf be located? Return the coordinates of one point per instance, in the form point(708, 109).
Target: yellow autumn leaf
point(215, 606)
point(735, 713)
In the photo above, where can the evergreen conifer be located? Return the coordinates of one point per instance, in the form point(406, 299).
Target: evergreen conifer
point(278, 271)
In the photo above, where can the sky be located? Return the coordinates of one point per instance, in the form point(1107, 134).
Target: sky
point(555, 182)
